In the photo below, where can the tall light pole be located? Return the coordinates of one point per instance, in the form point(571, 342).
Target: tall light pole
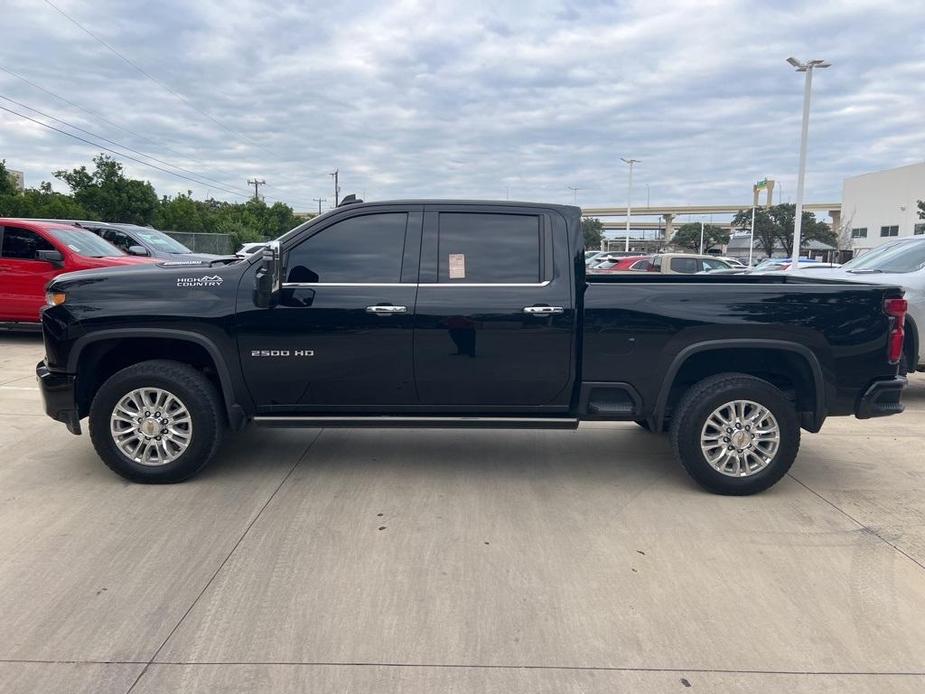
point(574, 194)
point(629, 201)
point(701, 237)
point(751, 238)
point(808, 68)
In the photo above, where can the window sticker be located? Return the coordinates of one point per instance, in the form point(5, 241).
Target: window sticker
point(457, 266)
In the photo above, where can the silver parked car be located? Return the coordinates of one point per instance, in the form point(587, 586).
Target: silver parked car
point(900, 262)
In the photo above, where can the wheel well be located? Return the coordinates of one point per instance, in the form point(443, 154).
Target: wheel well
point(910, 348)
point(100, 360)
point(789, 371)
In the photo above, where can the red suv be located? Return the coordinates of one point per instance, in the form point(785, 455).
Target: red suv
point(33, 253)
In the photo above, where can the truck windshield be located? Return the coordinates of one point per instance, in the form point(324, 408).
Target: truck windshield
point(160, 241)
point(84, 242)
point(895, 257)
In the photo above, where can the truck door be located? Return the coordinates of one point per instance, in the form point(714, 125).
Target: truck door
point(495, 320)
point(340, 338)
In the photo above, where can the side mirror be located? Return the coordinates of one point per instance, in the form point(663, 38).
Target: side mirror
point(268, 280)
point(137, 250)
point(53, 257)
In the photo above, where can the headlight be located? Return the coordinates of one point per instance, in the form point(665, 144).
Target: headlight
point(55, 298)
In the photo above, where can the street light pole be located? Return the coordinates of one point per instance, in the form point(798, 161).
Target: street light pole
point(751, 238)
point(701, 238)
point(808, 68)
point(629, 201)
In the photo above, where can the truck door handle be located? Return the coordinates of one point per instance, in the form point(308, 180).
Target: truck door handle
point(543, 310)
point(386, 309)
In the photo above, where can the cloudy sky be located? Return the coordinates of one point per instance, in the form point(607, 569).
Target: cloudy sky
point(466, 99)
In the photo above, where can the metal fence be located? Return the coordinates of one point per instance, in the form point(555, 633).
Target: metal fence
point(220, 244)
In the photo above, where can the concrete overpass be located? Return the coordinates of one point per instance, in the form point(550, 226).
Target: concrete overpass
point(669, 212)
point(676, 210)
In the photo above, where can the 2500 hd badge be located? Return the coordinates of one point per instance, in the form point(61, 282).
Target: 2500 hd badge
point(282, 353)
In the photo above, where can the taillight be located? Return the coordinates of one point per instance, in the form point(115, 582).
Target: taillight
point(896, 309)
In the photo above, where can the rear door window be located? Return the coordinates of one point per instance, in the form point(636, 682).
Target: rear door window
point(23, 244)
point(685, 265)
point(488, 248)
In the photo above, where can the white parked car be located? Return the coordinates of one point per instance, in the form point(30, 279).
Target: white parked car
point(249, 248)
point(900, 262)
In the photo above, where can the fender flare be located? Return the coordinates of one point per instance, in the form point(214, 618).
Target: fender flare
point(819, 411)
point(235, 412)
point(916, 357)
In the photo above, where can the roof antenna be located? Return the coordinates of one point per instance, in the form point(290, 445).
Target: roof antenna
point(351, 199)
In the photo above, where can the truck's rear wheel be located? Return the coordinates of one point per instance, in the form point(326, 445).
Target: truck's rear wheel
point(156, 421)
point(735, 434)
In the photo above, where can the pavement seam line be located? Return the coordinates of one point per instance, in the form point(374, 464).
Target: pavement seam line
point(866, 528)
point(475, 666)
point(225, 560)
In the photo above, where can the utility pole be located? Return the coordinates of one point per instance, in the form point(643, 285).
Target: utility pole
point(574, 194)
point(319, 201)
point(335, 173)
point(256, 182)
point(629, 201)
point(808, 68)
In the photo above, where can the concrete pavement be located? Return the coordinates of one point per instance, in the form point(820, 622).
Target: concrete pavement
point(424, 561)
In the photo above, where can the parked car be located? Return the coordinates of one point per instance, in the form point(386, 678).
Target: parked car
point(781, 264)
point(144, 241)
point(732, 262)
point(414, 314)
point(686, 263)
point(249, 248)
point(632, 263)
point(33, 253)
point(900, 262)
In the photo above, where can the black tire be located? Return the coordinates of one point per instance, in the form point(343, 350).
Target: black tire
point(701, 400)
point(197, 394)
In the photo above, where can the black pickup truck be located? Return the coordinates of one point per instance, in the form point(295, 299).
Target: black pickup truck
point(436, 313)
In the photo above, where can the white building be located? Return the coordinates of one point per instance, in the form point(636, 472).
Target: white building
point(882, 205)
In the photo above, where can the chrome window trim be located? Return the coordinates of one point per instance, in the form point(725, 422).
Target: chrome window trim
point(309, 285)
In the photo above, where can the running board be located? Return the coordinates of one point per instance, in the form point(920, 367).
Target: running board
point(387, 422)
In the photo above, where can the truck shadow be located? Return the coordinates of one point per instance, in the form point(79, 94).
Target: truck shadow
point(622, 455)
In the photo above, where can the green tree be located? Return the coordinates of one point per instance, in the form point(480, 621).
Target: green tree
point(774, 228)
point(921, 209)
point(593, 230)
point(107, 194)
point(7, 186)
point(688, 236)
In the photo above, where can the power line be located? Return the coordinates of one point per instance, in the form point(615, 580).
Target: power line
point(103, 119)
point(150, 76)
point(112, 151)
point(85, 110)
point(119, 144)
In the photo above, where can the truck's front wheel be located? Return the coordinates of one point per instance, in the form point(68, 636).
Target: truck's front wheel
point(156, 421)
point(735, 434)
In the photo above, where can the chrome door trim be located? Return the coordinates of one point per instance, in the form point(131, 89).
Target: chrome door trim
point(310, 285)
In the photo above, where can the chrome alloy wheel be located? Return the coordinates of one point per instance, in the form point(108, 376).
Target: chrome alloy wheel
point(151, 426)
point(740, 438)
